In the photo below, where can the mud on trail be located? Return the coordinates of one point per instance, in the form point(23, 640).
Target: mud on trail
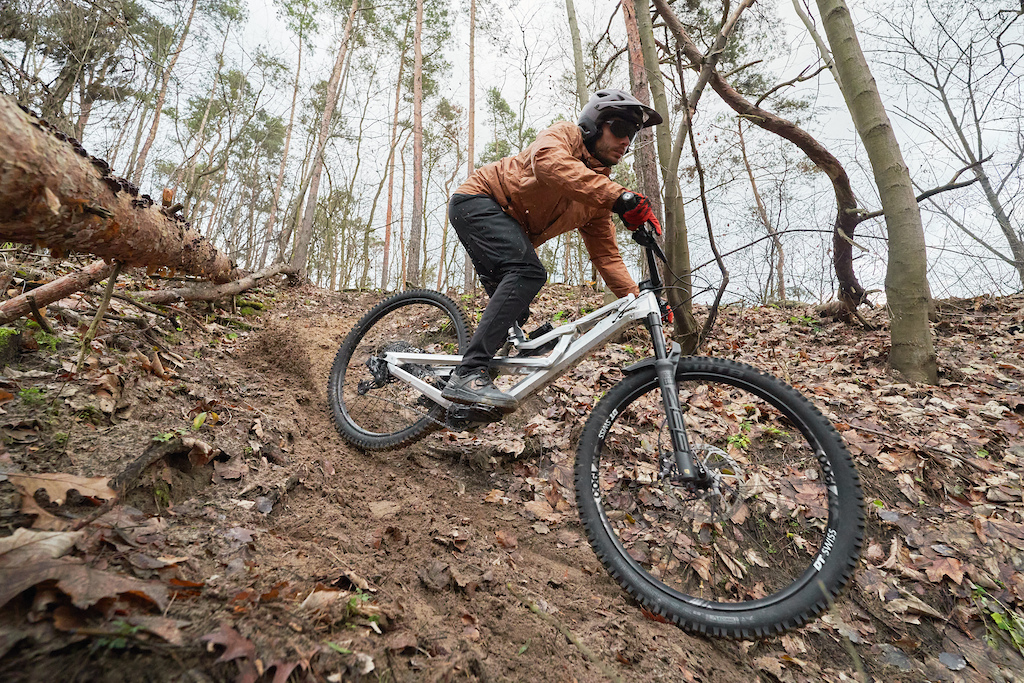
point(273, 551)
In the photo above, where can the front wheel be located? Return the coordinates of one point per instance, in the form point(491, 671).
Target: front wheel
point(763, 549)
point(373, 409)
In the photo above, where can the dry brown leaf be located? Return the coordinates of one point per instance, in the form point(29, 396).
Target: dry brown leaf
point(735, 568)
point(235, 646)
point(506, 539)
point(25, 546)
point(57, 485)
point(542, 510)
point(911, 604)
point(322, 599)
point(497, 496)
point(166, 628)
point(232, 469)
point(702, 565)
point(44, 520)
point(945, 566)
point(84, 585)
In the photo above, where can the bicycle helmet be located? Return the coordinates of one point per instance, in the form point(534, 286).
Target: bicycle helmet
point(612, 102)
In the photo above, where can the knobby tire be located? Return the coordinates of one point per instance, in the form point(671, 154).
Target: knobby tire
point(767, 553)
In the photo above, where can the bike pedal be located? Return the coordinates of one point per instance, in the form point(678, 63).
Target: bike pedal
point(468, 416)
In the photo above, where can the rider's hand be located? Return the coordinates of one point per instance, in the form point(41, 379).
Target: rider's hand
point(667, 316)
point(634, 209)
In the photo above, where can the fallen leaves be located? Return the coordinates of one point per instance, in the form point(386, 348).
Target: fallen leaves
point(945, 566)
point(24, 546)
point(235, 646)
point(57, 486)
point(85, 586)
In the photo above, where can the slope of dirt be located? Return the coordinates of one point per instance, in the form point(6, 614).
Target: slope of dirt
point(273, 551)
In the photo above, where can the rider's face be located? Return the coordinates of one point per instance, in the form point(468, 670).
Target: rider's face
point(616, 136)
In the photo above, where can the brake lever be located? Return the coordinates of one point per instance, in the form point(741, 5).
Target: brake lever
point(645, 238)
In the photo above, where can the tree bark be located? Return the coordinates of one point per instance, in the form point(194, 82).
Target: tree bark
point(305, 232)
point(644, 161)
point(140, 163)
point(468, 276)
point(906, 282)
point(208, 292)
point(52, 196)
point(416, 226)
point(677, 249)
point(577, 54)
point(20, 306)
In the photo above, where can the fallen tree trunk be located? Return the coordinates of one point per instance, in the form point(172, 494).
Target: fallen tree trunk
point(20, 306)
point(208, 292)
point(53, 194)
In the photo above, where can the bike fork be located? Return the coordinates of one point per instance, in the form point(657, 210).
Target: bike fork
point(665, 365)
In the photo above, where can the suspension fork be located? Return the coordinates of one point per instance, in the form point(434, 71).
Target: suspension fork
point(665, 366)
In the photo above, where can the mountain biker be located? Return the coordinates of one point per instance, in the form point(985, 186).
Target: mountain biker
point(507, 208)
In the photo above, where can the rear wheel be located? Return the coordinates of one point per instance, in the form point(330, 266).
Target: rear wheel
point(763, 549)
point(371, 408)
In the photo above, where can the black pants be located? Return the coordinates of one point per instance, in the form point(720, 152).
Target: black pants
point(507, 265)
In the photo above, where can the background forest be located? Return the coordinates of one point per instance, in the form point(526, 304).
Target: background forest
point(226, 101)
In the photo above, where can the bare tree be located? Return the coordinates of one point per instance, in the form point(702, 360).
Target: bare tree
point(965, 85)
point(305, 232)
point(140, 162)
point(415, 241)
point(906, 282)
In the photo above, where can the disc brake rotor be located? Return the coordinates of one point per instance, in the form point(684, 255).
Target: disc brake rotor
point(720, 500)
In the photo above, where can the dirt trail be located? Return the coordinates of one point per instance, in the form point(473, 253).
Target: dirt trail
point(414, 523)
point(292, 556)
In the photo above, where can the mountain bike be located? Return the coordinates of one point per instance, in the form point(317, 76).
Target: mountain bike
point(718, 496)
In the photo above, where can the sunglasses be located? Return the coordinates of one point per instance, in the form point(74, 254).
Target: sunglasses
point(623, 129)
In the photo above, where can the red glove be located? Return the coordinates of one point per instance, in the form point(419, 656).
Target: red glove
point(634, 209)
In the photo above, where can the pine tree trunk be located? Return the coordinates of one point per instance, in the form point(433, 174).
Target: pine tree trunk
point(305, 232)
point(389, 216)
point(415, 243)
point(403, 273)
point(468, 276)
point(906, 283)
point(140, 163)
point(644, 161)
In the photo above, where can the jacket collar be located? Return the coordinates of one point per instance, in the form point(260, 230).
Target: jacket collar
point(594, 163)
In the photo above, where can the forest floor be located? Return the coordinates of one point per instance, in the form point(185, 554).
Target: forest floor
point(251, 543)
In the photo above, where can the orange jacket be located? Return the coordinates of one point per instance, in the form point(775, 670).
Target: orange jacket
point(553, 186)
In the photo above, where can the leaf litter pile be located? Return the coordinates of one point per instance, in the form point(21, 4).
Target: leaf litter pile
point(179, 508)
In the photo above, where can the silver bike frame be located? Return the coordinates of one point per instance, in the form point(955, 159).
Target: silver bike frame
point(574, 340)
